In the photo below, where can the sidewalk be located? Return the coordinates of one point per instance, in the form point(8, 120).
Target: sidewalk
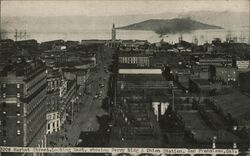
point(85, 119)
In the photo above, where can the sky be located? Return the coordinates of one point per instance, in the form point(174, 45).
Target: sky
point(47, 8)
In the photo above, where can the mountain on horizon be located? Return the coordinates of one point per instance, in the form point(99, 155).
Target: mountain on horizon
point(226, 19)
point(164, 26)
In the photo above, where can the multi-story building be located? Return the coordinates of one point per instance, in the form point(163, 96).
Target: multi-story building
point(140, 96)
point(80, 75)
point(49, 45)
point(243, 65)
point(140, 59)
point(244, 81)
point(200, 71)
point(23, 103)
point(216, 61)
point(225, 74)
point(5, 44)
point(26, 44)
point(68, 99)
point(53, 97)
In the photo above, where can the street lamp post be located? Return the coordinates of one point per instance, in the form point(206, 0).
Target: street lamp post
point(213, 143)
point(72, 111)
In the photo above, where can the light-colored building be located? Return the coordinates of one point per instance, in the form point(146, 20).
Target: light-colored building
point(139, 59)
point(53, 122)
point(54, 80)
point(159, 108)
point(140, 71)
point(243, 65)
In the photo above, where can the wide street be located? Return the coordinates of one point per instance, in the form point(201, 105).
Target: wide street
point(90, 106)
point(85, 119)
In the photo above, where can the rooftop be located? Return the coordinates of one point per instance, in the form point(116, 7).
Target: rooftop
point(137, 71)
point(21, 67)
point(202, 132)
point(236, 103)
point(201, 81)
point(141, 77)
point(133, 54)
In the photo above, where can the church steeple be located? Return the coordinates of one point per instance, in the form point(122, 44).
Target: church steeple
point(113, 33)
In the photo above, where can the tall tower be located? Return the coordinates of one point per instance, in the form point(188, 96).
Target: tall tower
point(113, 33)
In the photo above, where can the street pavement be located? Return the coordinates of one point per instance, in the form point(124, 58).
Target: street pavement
point(85, 119)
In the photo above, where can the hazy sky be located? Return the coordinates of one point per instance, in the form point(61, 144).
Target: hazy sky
point(118, 7)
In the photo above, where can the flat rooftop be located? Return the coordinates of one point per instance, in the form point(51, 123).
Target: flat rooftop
point(141, 77)
point(141, 71)
point(193, 120)
point(236, 103)
point(202, 132)
point(201, 81)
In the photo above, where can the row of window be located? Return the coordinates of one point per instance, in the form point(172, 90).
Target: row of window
point(54, 116)
point(17, 113)
point(4, 132)
point(17, 104)
point(54, 125)
point(17, 95)
point(4, 85)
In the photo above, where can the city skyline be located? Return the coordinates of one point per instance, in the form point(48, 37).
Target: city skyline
point(169, 77)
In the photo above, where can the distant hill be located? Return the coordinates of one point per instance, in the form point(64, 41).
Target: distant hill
point(226, 19)
point(164, 26)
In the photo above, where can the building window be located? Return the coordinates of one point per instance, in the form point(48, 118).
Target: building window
point(4, 123)
point(18, 95)
point(18, 132)
point(48, 126)
point(18, 104)
point(4, 133)
point(18, 85)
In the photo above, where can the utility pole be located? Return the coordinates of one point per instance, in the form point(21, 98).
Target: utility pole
point(25, 35)
point(173, 105)
point(16, 35)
